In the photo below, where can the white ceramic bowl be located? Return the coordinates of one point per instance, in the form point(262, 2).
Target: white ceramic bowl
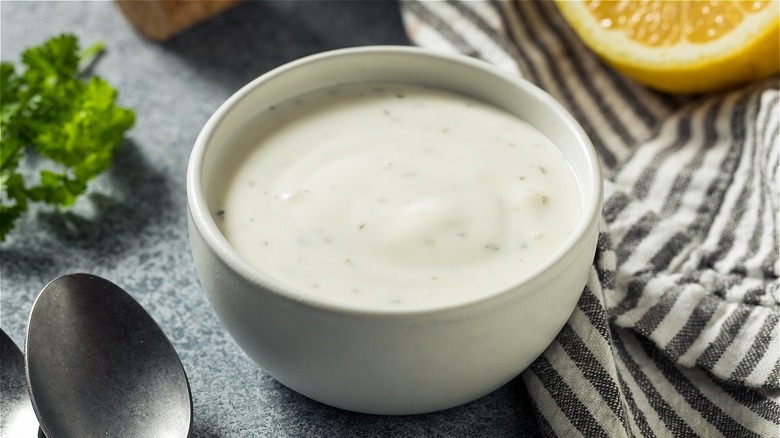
point(391, 362)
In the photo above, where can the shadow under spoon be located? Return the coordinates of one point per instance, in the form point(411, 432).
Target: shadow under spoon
point(99, 365)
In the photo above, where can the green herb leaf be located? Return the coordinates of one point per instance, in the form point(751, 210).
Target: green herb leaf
point(73, 123)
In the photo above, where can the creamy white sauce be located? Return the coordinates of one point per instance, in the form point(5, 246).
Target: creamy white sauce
point(393, 195)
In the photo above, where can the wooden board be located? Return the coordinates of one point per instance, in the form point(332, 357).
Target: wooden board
point(162, 19)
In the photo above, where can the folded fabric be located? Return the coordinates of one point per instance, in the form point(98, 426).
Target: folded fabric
point(676, 332)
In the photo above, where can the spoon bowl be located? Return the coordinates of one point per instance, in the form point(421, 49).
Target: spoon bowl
point(99, 365)
point(17, 418)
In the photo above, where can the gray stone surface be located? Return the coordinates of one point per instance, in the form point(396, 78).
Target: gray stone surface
point(131, 227)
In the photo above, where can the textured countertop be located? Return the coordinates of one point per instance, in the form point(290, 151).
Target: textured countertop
point(131, 226)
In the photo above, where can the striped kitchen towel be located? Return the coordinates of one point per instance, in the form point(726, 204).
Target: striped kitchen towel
point(676, 333)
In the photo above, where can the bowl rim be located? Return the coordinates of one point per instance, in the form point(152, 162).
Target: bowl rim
point(208, 230)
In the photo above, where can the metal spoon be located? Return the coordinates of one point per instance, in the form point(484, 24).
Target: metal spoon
point(99, 365)
point(17, 418)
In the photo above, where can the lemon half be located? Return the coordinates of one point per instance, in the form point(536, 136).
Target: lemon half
point(681, 46)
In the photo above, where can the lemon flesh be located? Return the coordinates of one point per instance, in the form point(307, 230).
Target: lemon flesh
point(682, 46)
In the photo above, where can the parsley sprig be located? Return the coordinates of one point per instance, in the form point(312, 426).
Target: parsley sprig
point(50, 110)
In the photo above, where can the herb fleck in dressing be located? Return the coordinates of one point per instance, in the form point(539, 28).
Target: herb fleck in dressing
point(396, 196)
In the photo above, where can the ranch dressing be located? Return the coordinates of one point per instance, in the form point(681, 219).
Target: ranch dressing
point(394, 195)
